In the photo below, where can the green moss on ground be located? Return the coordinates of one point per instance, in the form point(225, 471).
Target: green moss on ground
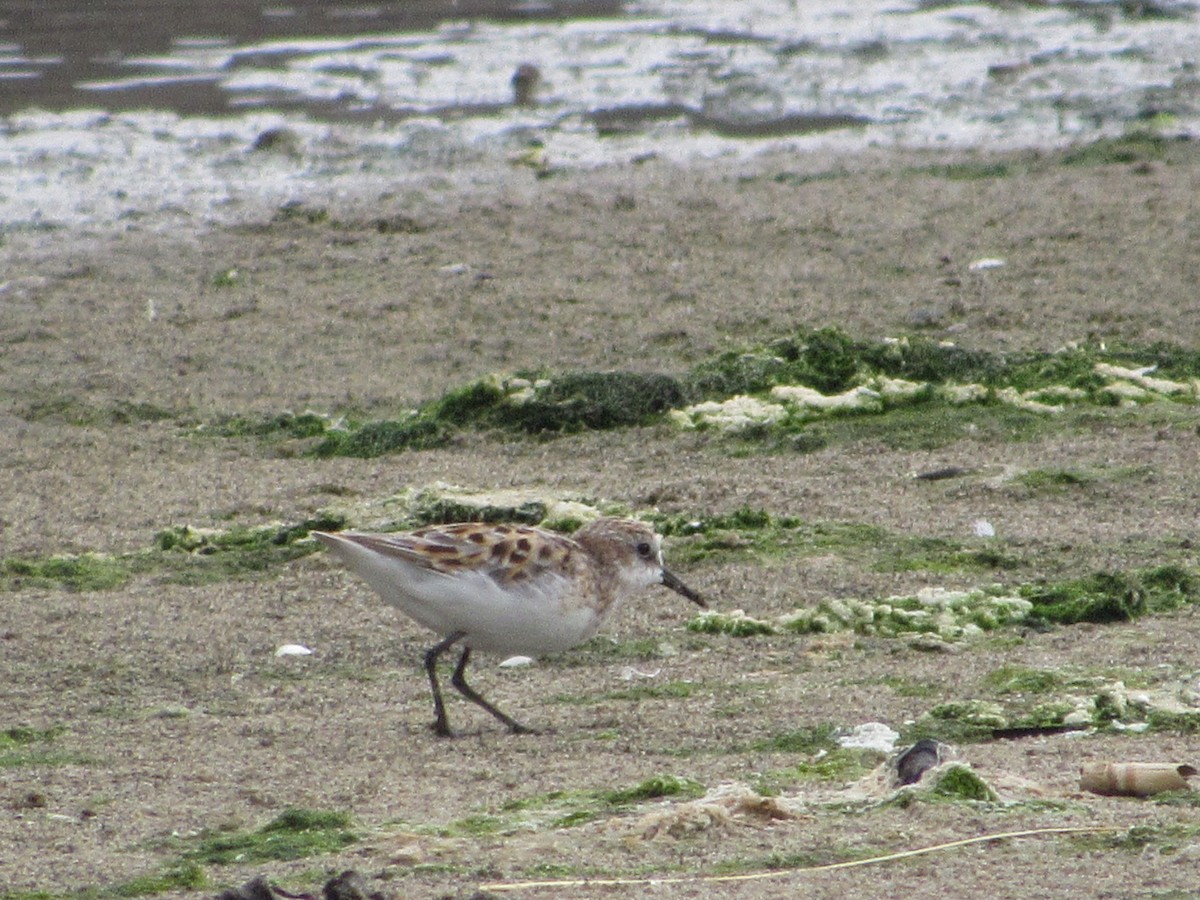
point(566, 809)
point(958, 783)
point(910, 392)
point(294, 834)
point(180, 553)
point(1113, 596)
point(22, 746)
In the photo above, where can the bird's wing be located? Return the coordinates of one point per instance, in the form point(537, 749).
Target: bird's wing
point(509, 554)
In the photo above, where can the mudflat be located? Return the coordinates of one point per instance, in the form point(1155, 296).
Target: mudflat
point(154, 743)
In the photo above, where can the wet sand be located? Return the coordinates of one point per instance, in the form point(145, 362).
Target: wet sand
point(118, 344)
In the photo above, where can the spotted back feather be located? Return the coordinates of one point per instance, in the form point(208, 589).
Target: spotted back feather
point(508, 554)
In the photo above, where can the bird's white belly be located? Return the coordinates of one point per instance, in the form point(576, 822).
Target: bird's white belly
point(530, 620)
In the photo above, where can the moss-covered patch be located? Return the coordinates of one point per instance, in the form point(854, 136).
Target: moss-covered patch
point(1174, 720)
point(959, 722)
point(972, 721)
point(765, 536)
point(950, 615)
point(75, 411)
point(1166, 836)
point(1038, 701)
point(1113, 596)
point(1139, 146)
point(802, 391)
point(735, 623)
point(82, 572)
point(652, 789)
point(670, 690)
point(971, 171)
point(593, 400)
point(442, 503)
point(294, 834)
point(377, 438)
point(566, 809)
point(21, 746)
point(272, 427)
point(185, 875)
point(198, 556)
point(530, 404)
point(438, 507)
point(1010, 679)
point(1056, 480)
point(181, 553)
point(925, 427)
point(958, 783)
point(809, 740)
point(840, 764)
point(823, 387)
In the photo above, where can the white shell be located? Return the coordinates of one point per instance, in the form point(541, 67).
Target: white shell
point(515, 662)
point(981, 265)
point(983, 528)
point(293, 650)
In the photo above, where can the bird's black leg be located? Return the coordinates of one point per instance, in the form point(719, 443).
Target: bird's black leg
point(469, 692)
point(440, 725)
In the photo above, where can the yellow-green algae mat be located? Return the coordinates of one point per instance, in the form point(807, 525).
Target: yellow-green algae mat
point(761, 392)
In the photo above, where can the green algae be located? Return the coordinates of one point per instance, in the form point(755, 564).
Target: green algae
point(567, 809)
point(1012, 679)
point(181, 553)
point(378, 438)
point(285, 425)
point(72, 572)
point(1135, 147)
point(1113, 596)
point(82, 413)
point(908, 392)
point(577, 401)
point(178, 876)
point(960, 783)
point(293, 834)
point(22, 746)
point(533, 404)
point(954, 615)
point(810, 739)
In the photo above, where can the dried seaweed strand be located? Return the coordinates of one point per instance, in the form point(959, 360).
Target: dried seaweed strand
point(501, 887)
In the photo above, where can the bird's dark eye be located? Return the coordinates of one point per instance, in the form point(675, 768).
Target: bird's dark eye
point(645, 550)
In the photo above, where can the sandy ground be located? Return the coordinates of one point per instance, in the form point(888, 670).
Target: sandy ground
point(174, 716)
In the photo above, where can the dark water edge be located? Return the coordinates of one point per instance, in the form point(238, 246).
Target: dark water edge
point(150, 110)
point(54, 46)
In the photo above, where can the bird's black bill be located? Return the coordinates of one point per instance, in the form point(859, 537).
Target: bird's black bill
point(680, 588)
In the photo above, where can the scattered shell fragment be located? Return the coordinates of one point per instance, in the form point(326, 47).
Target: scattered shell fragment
point(981, 265)
point(1134, 779)
point(293, 650)
point(983, 528)
point(629, 673)
point(516, 662)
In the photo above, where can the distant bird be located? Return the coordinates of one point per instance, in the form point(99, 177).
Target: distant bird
point(525, 83)
point(507, 589)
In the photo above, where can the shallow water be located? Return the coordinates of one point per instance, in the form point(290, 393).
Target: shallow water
point(151, 110)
